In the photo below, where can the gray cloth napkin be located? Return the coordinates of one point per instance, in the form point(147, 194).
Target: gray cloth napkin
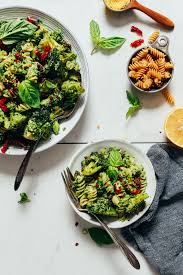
point(159, 233)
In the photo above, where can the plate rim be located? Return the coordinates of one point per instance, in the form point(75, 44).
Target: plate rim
point(22, 152)
point(147, 160)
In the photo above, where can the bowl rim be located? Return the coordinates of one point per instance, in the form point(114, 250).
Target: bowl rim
point(154, 91)
point(147, 160)
point(22, 152)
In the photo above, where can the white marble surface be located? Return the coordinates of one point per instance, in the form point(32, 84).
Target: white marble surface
point(39, 238)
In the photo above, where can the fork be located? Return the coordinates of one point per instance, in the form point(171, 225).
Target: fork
point(68, 180)
point(23, 167)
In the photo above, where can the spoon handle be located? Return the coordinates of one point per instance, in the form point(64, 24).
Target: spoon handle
point(154, 15)
point(24, 164)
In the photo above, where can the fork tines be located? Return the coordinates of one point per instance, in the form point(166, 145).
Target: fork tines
point(66, 176)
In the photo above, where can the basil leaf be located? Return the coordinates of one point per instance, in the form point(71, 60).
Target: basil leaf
point(115, 158)
point(100, 236)
point(23, 198)
point(133, 100)
point(111, 42)
point(132, 110)
point(16, 30)
point(29, 93)
point(94, 31)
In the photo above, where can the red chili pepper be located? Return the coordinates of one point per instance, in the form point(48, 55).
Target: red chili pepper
point(137, 43)
point(32, 20)
point(136, 30)
point(136, 192)
point(4, 148)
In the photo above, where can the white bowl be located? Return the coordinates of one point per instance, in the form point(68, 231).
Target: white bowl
point(52, 23)
point(140, 158)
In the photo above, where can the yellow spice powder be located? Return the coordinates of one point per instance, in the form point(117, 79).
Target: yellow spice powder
point(117, 4)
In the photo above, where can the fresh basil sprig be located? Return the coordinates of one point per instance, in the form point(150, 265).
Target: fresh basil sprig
point(100, 236)
point(115, 158)
point(29, 93)
point(103, 42)
point(135, 102)
point(16, 30)
point(23, 198)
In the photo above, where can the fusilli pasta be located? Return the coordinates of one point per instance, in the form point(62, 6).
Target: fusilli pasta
point(150, 68)
point(169, 97)
point(153, 37)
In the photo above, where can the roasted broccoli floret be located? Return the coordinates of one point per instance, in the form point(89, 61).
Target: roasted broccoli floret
point(47, 86)
point(56, 127)
point(91, 169)
point(33, 73)
point(54, 66)
point(55, 112)
point(72, 65)
point(46, 130)
point(53, 100)
point(68, 56)
point(71, 91)
point(136, 204)
point(36, 125)
point(102, 207)
point(1, 116)
point(57, 35)
point(16, 120)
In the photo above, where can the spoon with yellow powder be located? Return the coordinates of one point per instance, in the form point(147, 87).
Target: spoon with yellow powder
point(123, 5)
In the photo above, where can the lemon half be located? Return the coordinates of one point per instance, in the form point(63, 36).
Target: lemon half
point(174, 126)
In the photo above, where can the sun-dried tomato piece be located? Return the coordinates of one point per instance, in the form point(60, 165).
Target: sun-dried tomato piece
point(4, 148)
point(136, 30)
point(137, 43)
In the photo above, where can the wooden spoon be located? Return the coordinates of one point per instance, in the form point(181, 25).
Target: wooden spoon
point(135, 5)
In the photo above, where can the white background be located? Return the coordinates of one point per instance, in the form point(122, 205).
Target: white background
point(39, 238)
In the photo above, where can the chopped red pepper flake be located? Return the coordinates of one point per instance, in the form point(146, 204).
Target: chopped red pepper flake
point(137, 43)
point(18, 56)
point(136, 30)
point(32, 20)
point(136, 192)
point(43, 56)
point(4, 148)
point(2, 104)
point(97, 185)
point(3, 101)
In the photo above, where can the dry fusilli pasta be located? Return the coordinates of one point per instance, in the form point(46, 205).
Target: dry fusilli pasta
point(169, 97)
point(153, 37)
point(150, 68)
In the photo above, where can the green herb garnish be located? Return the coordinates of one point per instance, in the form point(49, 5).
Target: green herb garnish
point(100, 236)
point(16, 30)
point(103, 42)
point(29, 93)
point(23, 198)
point(115, 158)
point(135, 102)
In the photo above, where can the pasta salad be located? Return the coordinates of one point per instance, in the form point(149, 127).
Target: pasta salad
point(111, 183)
point(39, 80)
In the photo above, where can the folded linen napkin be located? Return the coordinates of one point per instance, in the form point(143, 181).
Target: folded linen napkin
point(159, 233)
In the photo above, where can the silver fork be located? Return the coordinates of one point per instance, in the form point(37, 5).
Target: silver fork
point(68, 180)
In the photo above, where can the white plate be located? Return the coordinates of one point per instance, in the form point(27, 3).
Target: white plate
point(140, 158)
point(51, 23)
